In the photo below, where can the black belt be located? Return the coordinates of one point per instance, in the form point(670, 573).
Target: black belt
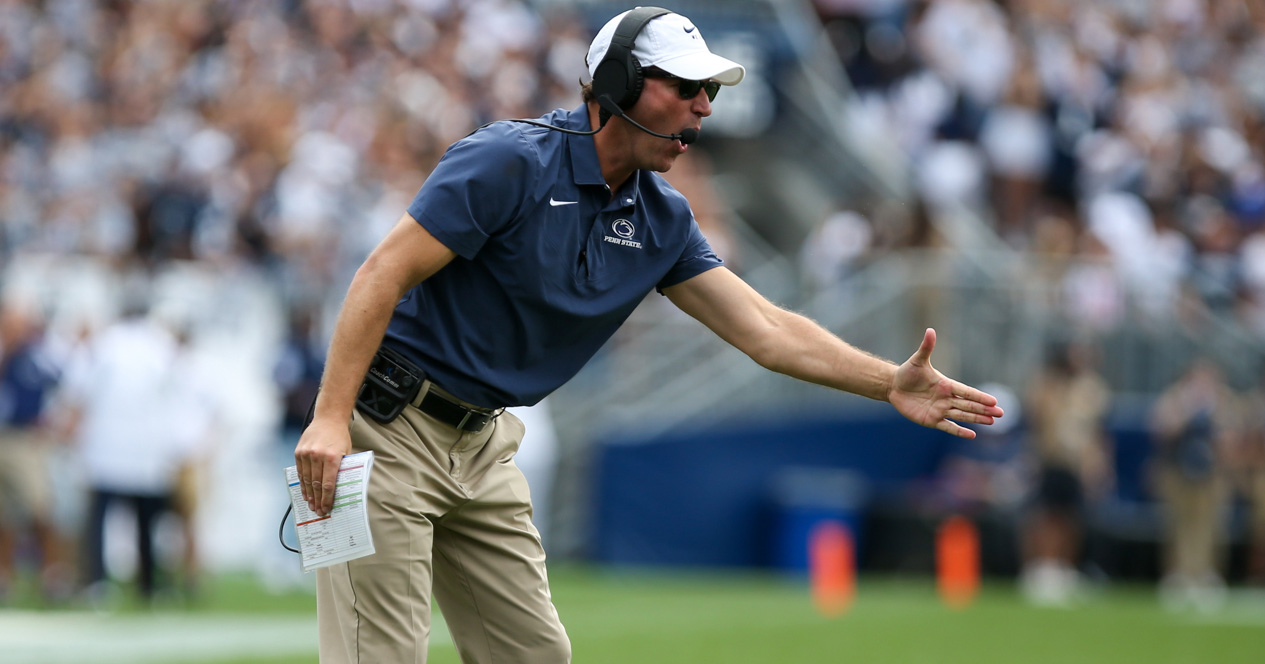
point(455, 415)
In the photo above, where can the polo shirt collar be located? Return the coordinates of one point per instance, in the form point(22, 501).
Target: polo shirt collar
point(584, 164)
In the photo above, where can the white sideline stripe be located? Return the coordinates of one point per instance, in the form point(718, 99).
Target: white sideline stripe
point(74, 637)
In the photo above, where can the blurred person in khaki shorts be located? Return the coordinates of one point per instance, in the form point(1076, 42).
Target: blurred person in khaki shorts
point(1196, 424)
point(526, 248)
point(1250, 476)
point(28, 374)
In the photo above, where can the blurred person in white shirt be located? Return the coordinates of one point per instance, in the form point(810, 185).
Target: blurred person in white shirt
point(118, 388)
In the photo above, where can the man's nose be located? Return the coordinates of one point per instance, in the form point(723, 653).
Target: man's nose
point(702, 105)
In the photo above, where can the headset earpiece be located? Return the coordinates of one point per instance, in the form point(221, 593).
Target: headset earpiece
point(619, 74)
point(620, 79)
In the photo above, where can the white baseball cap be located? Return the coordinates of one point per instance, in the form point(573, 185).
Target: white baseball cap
point(671, 43)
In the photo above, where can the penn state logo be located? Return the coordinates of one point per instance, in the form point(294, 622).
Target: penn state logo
point(625, 230)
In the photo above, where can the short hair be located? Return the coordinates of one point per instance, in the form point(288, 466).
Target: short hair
point(586, 92)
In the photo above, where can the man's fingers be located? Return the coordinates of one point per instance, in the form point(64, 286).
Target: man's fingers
point(318, 488)
point(313, 493)
point(967, 416)
point(305, 472)
point(962, 391)
point(969, 406)
point(922, 356)
point(328, 482)
point(955, 429)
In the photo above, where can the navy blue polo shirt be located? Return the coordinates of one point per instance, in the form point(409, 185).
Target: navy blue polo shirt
point(549, 264)
point(27, 377)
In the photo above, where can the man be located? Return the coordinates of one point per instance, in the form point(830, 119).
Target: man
point(522, 253)
point(29, 372)
point(1069, 402)
point(126, 390)
point(1196, 425)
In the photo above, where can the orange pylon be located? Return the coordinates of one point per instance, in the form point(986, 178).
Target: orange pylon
point(832, 567)
point(957, 561)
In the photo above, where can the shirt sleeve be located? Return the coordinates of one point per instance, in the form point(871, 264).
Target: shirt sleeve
point(697, 258)
point(476, 188)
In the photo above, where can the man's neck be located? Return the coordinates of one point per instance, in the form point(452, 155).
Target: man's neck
point(612, 149)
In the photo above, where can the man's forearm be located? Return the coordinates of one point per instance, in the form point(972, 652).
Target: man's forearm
point(361, 325)
point(811, 353)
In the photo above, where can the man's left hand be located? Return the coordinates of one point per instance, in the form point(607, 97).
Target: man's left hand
point(927, 397)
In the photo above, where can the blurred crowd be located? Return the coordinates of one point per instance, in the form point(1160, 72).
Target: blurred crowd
point(1124, 134)
point(281, 135)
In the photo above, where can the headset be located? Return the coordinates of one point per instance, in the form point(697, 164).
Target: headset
point(619, 76)
point(618, 79)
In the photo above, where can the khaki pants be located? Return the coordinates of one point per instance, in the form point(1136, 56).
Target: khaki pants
point(26, 494)
point(450, 515)
point(1196, 516)
point(1256, 500)
point(1256, 549)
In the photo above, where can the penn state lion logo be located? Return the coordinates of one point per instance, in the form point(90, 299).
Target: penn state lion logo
point(625, 230)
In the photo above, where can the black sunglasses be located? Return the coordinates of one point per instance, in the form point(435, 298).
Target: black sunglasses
point(686, 88)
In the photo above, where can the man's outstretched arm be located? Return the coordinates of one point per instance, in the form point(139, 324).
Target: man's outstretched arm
point(791, 344)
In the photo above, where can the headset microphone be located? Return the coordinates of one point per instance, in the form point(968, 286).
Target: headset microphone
point(687, 136)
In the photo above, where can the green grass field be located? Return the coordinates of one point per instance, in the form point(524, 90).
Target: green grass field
point(618, 617)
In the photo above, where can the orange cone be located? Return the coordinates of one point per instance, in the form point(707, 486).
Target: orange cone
point(957, 562)
point(832, 568)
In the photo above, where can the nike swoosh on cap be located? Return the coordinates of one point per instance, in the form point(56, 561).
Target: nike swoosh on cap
point(689, 29)
point(557, 203)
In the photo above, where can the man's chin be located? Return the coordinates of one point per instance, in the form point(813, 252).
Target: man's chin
point(666, 165)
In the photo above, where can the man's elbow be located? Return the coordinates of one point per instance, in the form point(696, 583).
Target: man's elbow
point(767, 352)
point(380, 274)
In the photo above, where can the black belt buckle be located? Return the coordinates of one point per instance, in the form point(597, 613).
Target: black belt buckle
point(454, 414)
point(391, 383)
point(461, 426)
point(474, 421)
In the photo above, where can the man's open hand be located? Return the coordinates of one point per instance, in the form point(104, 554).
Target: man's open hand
point(927, 397)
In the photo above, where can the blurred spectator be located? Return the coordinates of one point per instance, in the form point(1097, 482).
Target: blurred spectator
point(1067, 404)
point(28, 374)
point(1253, 253)
point(120, 389)
point(298, 377)
point(831, 252)
point(1017, 140)
point(1195, 424)
point(1093, 295)
point(1250, 471)
point(969, 44)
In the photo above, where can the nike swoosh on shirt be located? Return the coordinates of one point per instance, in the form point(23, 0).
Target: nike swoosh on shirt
point(557, 203)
